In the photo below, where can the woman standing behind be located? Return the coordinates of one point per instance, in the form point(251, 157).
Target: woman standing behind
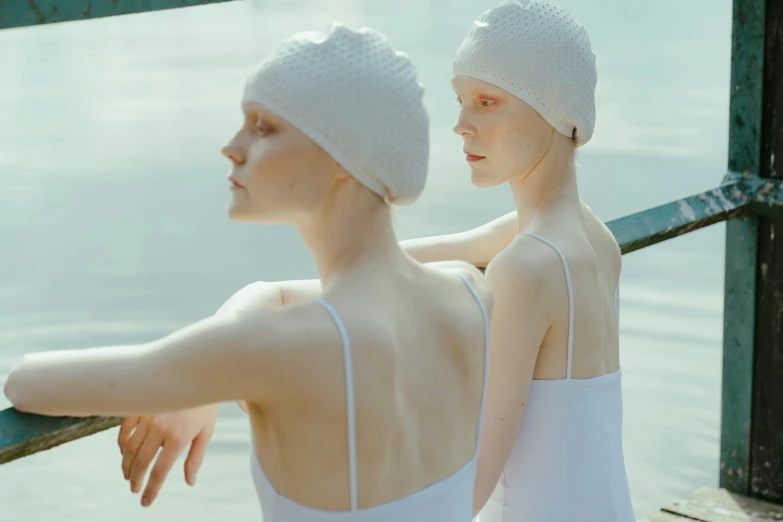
point(552, 450)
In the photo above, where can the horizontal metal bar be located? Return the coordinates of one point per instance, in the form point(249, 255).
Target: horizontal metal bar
point(22, 434)
point(739, 195)
point(676, 218)
point(21, 13)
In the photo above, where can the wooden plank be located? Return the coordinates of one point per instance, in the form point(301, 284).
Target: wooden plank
point(23, 434)
point(20, 13)
point(745, 116)
point(719, 505)
point(766, 480)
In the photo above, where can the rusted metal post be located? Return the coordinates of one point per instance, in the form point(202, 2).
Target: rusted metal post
point(752, 423)
point(747, 71)
point(766, 470)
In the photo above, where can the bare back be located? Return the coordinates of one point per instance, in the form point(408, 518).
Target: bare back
point(594, 262)
point(417, 349)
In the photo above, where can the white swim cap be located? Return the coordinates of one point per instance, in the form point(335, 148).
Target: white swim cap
point(539, 53)
point(357, 98)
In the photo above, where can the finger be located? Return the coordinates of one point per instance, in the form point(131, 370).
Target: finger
point(133, 445)
point(166, 460)
point(141, 463)
point(196, 456)
point(126, 428)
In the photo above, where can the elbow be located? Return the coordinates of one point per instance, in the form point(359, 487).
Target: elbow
point(20, 390)
point(10, 390)
point(14, 390)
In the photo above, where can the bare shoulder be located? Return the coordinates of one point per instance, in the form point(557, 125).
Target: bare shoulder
point(253, 295)
point(263, 294)
point(474, 277)
point(302, 327)
point(605, 244)
point(292, 347)
point(526, 265)
point(614, 253)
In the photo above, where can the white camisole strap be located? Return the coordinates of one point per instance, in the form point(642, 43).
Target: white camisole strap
point(570, 299)
point(350, 401)
point(349, 388)
point(486, 359)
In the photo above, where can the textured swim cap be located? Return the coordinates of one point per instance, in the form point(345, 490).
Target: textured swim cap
point(539, 53)
point(356, 97)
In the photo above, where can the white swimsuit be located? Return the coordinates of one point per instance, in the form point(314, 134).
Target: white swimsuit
point(449, 500)
point(567, 461)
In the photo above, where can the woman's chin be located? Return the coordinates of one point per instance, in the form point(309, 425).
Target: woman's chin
point(240, 213)
point(237, 213)
point(482, 179)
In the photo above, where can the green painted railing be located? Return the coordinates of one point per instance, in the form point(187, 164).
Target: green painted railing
point(752, 410)
point(749, 199)
point(20, 13)
point(23, 434)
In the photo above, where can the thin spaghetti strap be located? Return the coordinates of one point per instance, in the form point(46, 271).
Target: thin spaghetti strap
point(350, 401)
point(570, 299)
point(486, 359)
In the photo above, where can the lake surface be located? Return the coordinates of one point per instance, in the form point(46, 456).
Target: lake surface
point(113, 227)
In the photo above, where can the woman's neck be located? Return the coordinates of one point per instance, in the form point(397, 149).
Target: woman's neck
point(549, 189)
point(353, 232)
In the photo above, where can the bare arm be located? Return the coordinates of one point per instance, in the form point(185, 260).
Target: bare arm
point(221, 358)
point(477, 246)
point(519, 323)
point(163, 437)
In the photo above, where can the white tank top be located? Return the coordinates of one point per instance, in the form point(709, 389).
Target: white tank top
point(448, 500)
point(567, 460)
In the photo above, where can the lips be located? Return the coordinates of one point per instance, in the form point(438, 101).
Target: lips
point(472, 158)
point(235, 184)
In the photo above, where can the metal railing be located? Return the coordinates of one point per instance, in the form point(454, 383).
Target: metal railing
point(750, 199)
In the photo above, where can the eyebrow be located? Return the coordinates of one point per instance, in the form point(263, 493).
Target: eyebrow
point(490, 90)
point(256, 109)
point(249, 106)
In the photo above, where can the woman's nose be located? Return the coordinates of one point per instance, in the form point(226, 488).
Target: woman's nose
point(463, 126)
point(233, 151)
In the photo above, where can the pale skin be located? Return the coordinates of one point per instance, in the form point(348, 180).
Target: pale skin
point(530, 323)
point(417, 348)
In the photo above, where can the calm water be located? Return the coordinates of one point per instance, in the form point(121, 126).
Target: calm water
point(113, 228)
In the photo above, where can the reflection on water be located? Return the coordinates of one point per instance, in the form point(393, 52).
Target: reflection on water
point(113, 228)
